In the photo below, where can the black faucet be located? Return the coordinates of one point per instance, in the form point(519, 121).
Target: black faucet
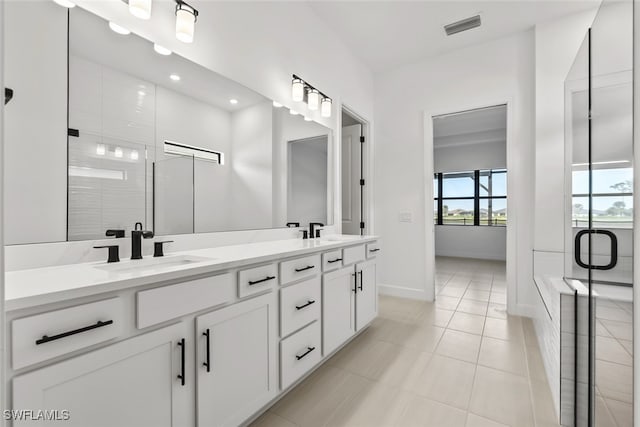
point(137, 234)
point(313, 231)
point(118, 234)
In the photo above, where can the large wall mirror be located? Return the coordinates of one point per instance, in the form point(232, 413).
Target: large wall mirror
point(158, 139)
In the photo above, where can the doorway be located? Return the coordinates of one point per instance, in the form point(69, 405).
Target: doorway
point(354, 170)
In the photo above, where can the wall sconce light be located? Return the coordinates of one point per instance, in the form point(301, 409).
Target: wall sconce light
point(326, 107)
point(186, 17)
point(101, 149)
point(297, 89)
point(119, 29)
point(118, 152)
point(140, 8)
point(300, 88)
point(313, 99)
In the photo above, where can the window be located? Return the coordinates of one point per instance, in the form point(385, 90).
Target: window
point(612, 198)
point(471, 198)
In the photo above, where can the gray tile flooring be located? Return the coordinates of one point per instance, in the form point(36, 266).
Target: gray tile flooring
point(461, 361)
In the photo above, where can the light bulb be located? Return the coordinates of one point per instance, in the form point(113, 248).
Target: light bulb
point(277, 104)
point(297, 90)
point(307, 119)
point(118, 152)
point(326, 107)
point(233, 101)
point(185, 22)
point(65, 3)
point(101, 149)
point(293, 113)
point(134, 155)
point(140, 8)
point(313, 99)
point(175, 77)
point(161, 49)
point(118, 29)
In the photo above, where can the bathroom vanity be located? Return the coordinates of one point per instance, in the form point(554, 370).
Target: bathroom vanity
point(208, 337)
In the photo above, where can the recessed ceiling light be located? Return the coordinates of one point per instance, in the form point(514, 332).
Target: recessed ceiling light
point(293, 113)
point(233, 101)
point(65, 3)
point(175, 77)
point(140, 8)
point(308, 119)
point(161, 49)
point(141, 93)
point(277, 104)
point(119, 29)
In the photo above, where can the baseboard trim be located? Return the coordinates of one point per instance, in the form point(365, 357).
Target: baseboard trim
point(525, 310)
point(472, 255)
point(402, 292)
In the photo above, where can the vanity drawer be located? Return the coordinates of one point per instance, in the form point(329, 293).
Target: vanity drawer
point(48, 335)
point(257, 279)
point(373, 249)
point(299, 268)
point(168, 302)
point(332, 260)
point(353, 254)
point(299, 353)
point(299, 305)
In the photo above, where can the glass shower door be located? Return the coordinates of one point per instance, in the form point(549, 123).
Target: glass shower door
point(599, 137)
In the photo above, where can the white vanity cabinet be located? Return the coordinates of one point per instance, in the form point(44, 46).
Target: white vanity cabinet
point(236, 361)
point(133, 383)
point(366, 293)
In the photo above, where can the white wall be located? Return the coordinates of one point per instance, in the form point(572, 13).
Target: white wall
point(460, 158)
point(488, 74)
point(471, 242)
point(36, 122)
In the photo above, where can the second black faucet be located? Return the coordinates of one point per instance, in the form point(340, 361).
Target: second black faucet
point(137, 234)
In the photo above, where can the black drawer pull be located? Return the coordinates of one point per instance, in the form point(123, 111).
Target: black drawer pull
point(309, 350)
point(374, 250)
point(309, 302)
point(181, 376)
point(97, 325)
point(331, 261)
point(207, 334)
point(308, 267)
point(266, 279)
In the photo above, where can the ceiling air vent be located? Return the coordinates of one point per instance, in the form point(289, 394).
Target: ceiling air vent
point(463, 25)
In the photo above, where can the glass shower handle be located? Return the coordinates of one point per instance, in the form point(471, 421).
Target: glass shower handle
point(614, 249)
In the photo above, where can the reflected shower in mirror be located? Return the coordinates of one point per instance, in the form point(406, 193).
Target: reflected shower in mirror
point(161, 140)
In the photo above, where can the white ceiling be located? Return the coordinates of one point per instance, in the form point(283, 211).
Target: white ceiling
point(387, 34)
point(484, 125)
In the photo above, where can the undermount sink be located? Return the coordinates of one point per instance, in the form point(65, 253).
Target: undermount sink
point(338, 238)
point(152, 264)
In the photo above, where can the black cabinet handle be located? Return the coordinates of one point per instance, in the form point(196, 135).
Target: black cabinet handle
point(331, 261)
point(308, 267)
point(309, 302)
point(360, 273)
point(266, 279)
point(374, 250)
point(99, 324)
point(181, 376)
point(207, 364)
point(309, 350)
point(355, 284)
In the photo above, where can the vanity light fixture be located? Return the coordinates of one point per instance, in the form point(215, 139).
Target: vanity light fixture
point(175, 77)
point(118, 152)
point(140, 8)
point(65, 3)
point(326, 107)
point(134, 155)
point(313, 99)
point(233, 101)
point(101, 149)
point(300, 90)
point(297, 89)
point(293, 113)
point(186, 16)
point(161, 49)
point(277, 104)
point(118, 29)
point(308, 119)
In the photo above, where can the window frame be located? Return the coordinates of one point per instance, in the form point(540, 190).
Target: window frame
point(439, 177)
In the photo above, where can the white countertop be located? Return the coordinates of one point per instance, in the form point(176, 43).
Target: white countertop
point(30, 288)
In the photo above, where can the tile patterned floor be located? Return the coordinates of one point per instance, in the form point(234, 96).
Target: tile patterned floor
point(461, 361)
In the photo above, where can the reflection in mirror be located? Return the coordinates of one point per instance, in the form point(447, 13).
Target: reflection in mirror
point(166, 142)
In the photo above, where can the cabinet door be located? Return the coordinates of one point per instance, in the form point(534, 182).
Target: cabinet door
point(338, 322)
point(236, 361)
point(367, 293)
point(131, 383)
